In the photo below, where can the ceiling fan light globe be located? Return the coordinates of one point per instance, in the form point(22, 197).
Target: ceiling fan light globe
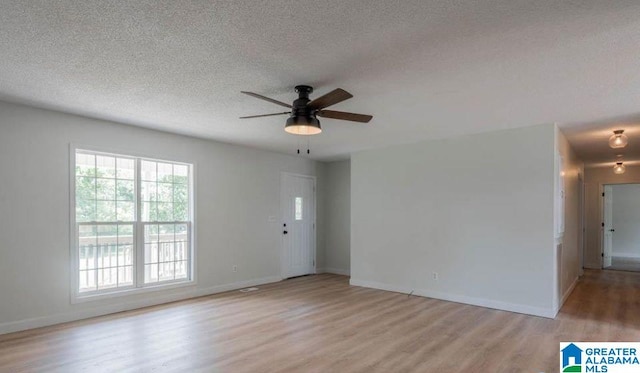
point(304, 126)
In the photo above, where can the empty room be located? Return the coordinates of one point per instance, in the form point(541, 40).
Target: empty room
point(319, 186)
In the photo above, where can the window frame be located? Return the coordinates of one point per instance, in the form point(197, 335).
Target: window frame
point(138, 285)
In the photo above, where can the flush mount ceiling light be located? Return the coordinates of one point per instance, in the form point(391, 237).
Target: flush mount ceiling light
point(618, 140)
point(619, 168)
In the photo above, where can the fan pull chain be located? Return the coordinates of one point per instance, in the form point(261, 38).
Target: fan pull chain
point(308, 146)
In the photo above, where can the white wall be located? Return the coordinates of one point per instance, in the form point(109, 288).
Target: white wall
point(237, 189)
point(570, 262)
point(321, 218)
point(337, 253)
point(478, 210)
point(595, 178)
point(626, 220)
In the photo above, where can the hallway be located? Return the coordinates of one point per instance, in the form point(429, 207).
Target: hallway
point(607, 304)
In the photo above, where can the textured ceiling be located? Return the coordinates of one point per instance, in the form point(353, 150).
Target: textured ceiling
point(425, 69)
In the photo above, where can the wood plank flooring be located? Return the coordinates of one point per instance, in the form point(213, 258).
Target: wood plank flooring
point(321, 324)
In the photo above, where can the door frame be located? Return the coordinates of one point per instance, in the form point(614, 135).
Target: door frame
point(603, 235)
point(581, 221)
point(601, 206)
point(283, 251)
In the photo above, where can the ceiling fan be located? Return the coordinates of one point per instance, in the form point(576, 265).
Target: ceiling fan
point(302, 117)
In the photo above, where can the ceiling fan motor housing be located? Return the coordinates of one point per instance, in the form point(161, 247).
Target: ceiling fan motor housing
point(301, 114)
point(300, 107)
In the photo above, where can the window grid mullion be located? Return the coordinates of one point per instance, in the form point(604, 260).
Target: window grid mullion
point(175, 243)
point(188, 251)
point(95, 193)
point(115, 203)
point(95, 263)
point(190, 216)
point(157, 204)
point(173, 203)
point(139, 228)
point(117, 244)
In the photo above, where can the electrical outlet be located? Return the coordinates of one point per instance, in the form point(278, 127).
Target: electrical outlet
point(234, 268)
point(436, 277)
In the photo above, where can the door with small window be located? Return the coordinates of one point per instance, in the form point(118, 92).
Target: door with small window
point(298, 226)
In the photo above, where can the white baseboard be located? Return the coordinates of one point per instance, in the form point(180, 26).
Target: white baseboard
point(190, 292)
point(568, 292)
point(487, 303)
point(566, 295)
point(626, 255)
point(337, 271)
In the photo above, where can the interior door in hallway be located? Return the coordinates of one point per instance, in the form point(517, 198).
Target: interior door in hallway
point(298, 205)
point(607, 234)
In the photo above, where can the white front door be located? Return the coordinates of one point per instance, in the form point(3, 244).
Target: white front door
point(298, 204)
point(607, 244)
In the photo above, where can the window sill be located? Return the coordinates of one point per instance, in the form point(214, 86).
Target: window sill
point(80, 298)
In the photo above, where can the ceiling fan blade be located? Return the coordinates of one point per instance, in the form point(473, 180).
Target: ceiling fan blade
point(331, 98)
point(362, 118)
point(267, 99)
point(265, 115)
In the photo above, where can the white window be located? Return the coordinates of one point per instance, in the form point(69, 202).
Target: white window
point(298, 208)
point(133, 222)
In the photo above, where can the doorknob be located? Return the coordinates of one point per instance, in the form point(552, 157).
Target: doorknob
point(285, 232)
point(612, 230)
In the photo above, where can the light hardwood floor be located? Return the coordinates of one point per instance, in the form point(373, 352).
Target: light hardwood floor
point(321, 324)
